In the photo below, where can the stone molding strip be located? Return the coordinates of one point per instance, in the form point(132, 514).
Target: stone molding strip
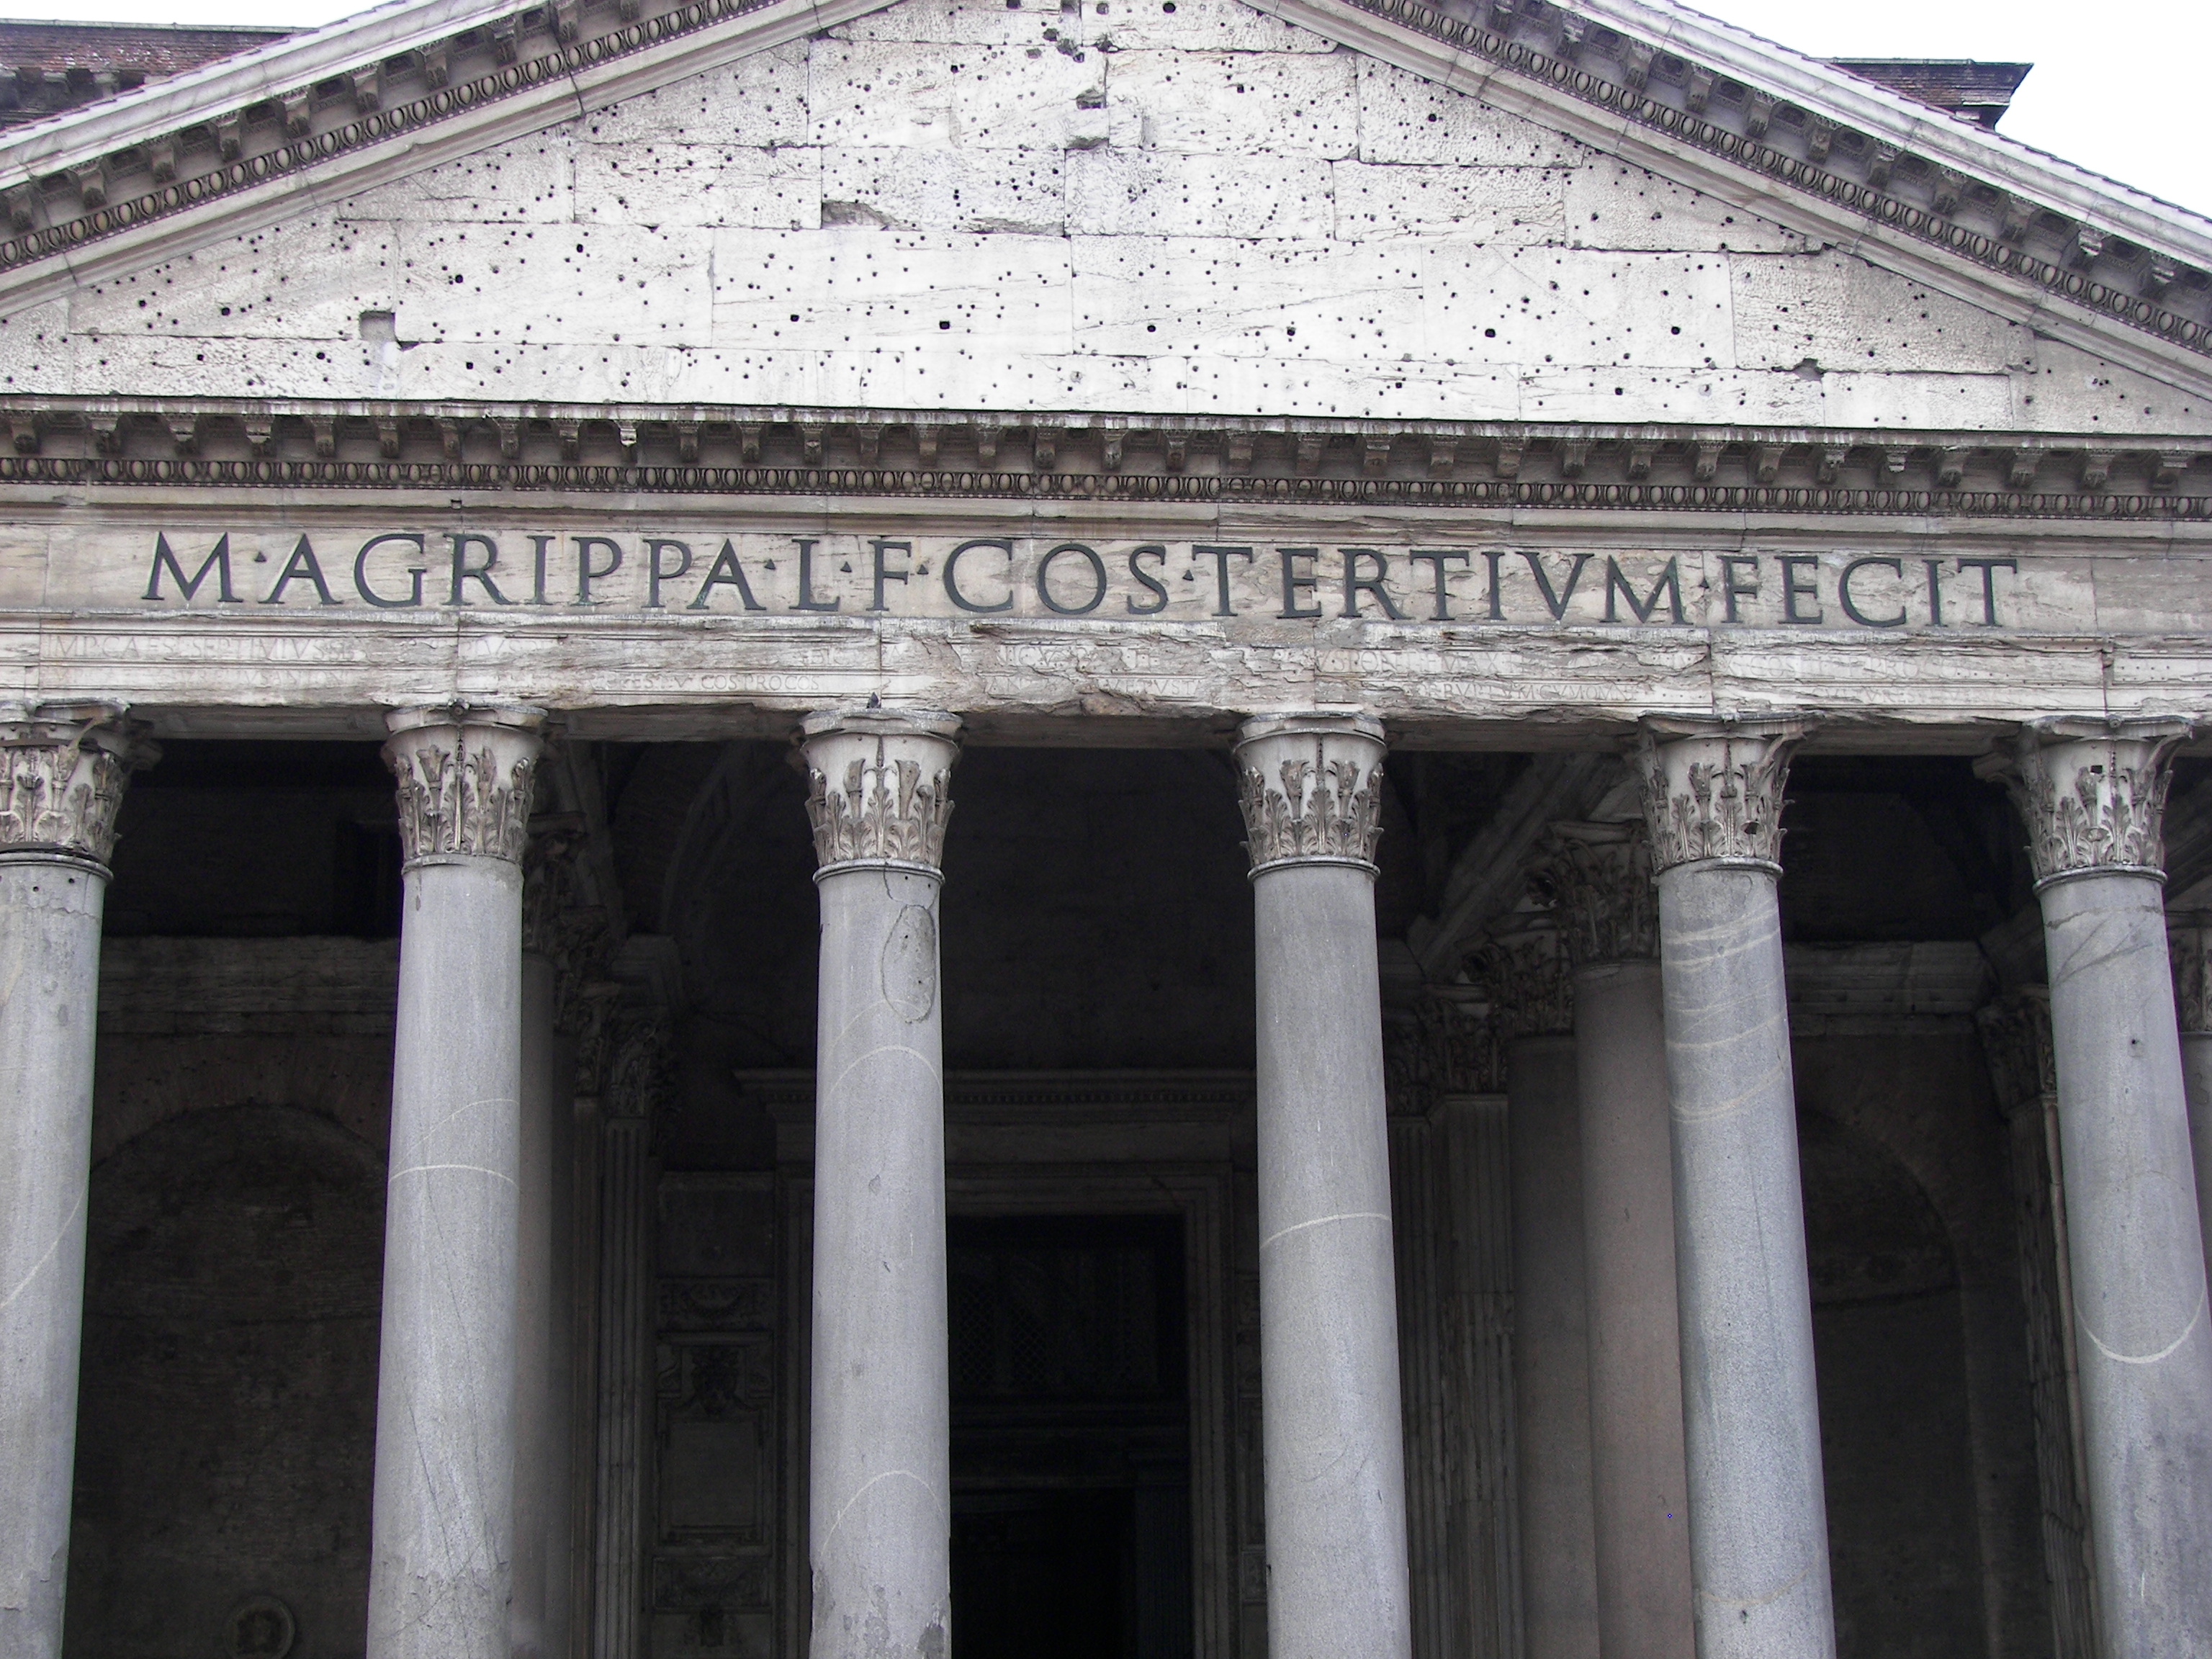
point(719, 449)
point(246, 128)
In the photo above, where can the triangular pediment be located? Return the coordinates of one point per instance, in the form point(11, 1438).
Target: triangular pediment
point(1616, 214)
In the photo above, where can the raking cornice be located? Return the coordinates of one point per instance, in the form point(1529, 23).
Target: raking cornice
point(119, 184)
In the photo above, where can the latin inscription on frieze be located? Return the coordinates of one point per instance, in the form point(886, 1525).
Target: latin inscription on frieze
point(400, 573)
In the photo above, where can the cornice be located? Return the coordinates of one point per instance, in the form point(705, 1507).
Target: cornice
point(1976, 216)
point(172, 166)
point(249, 140)
point(660, 449)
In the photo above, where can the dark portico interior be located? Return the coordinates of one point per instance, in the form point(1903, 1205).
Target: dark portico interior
point(1098, 967)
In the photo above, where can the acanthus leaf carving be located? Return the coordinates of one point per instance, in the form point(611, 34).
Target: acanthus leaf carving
point(1310, 787)
point(1713, 789)
point(880, 787)
point(1529, 977)
point(466, 778)
point(2091, 793)
point(1599, 879)
point(64, 767)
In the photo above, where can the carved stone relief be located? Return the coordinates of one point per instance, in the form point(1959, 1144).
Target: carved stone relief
point(65, 768)
point(879, 787)
point(465, 780)
point(2091, 793)
point(1528, 977)
point(1599, 879)
point(1713, 789)
point(1311, 788)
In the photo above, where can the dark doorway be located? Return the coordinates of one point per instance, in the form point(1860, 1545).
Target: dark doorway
point(1071, 1440)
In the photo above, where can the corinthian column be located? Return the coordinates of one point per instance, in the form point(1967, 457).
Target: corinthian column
point(880, 1501)
point(2188, 937)
point(1609, 917)
point(442, 1527)
point(62, 769)
point(1759, 1533)
point(1310, 787)
point(2093, 792)
point(1526, 975)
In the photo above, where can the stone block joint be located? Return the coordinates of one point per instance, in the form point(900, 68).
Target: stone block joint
point(1310, 787)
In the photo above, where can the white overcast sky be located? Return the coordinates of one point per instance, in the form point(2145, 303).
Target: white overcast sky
point(2119, 87)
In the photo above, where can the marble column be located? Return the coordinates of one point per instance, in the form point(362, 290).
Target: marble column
point(63, 769)
point(2093, 792)
point(1758, 1532)
point(1525, 974)
point(1608, 909)
point(880, 1497)
point(2188, 935)
point(442, 1527)
point(1331, 1434)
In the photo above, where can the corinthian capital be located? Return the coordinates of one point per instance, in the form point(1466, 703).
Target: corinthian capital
point(880, 787)
point(465, 774)
point(1600, 876)
point(1529, 977)
point(1311, 788)
point(1712, 788)
point(66, 767)
point(2189, 941)
point(2091, 793)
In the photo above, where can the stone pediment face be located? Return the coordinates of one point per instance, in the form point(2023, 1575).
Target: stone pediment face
point(1212, 210)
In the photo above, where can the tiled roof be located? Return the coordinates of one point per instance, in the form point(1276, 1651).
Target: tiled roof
point(1958, 86)
point(48, 67)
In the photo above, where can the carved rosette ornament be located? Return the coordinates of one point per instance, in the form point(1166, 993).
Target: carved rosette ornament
point(464, 778)
point(2091, 793)
point(879, 788)
point(1311, 789)
point(2189, 942)
point(66, 768)
point(1713, 789)
point(1598, 878)
point(1528, 977)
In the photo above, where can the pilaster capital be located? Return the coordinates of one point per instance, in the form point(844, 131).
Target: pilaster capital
point(2189, 943)
point(465, 773)
point(1600, 876)
point(1529, 977)
point(880, 787)
point(1311, 789)
point(2091, 793)
point(2017, 1046)
point(66, 766)
point(1713, 788)
point(1444, 1041)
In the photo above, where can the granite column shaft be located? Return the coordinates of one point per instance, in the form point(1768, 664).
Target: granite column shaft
point(2093, 794)
point(1758, 1536)
point(440, 1564)
point(880, 1520)
point(63, 769)
point(1334, 1447)
point(1609, 918)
